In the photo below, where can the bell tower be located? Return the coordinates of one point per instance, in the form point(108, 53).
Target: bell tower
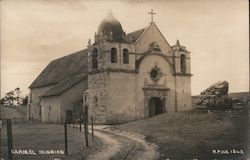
point(182, 59)
point(103, 57)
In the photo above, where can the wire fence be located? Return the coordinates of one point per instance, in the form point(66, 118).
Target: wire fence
point(34, 140)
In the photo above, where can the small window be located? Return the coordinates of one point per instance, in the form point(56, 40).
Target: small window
point(183, 63)
point(113, 55)
point(94, 59)
point(125, 56)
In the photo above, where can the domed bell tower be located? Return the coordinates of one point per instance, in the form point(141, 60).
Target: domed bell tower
point(103, 53)
point(102, 57)
point(110, 30)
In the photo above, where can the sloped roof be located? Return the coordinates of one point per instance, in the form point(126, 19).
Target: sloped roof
point(133, 36)
point(62, 68)
point(64, 85)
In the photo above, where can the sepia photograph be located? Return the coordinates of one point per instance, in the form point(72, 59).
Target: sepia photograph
point(124, 80)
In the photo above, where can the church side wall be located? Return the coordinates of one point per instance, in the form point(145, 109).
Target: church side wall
point(51, 109)
point(35, 101)
point(183, 88)
point(121, 103)
point(72, 96)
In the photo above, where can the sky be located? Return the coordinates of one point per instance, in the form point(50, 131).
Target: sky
point(35, 32)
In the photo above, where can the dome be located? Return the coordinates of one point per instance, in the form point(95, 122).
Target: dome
point(111, 28)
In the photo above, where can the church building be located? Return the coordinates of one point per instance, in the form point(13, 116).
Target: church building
point(118, 78)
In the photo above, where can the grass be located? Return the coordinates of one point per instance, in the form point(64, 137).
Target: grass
point(41, 136)
point(194, 135)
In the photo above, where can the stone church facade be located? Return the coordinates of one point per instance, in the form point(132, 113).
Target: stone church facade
point(123, 77)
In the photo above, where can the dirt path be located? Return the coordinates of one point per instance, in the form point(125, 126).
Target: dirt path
point(122, 145)
point(111, 146)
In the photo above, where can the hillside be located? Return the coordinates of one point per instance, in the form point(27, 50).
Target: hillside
point(234, 95)
point(238, 95)
point(194, 135)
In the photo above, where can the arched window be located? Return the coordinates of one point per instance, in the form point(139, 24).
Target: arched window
point(94, 59)
point(113, 55)
point(183, 63)
point(125, 56)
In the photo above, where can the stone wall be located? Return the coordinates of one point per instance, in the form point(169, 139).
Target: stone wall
point(98, 96)
point(111, 97)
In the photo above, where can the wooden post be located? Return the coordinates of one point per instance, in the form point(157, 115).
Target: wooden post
point(65, 138)
point(80, 126)
point(92, 129)
point(9, 136)
point(0, 134)
point(86, 133)
point(87, 118)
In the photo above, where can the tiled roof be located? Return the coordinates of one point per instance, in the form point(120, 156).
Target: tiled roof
point(133, 36)
point(62, 68)
point(64, 85)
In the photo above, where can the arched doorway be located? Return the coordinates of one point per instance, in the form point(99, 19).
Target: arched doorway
point(155, 106)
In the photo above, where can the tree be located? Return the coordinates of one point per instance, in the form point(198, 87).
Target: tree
point(25, 100)
point(9, 98)
point(14, 98)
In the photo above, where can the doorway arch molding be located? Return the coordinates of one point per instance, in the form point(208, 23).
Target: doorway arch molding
point(154, 91)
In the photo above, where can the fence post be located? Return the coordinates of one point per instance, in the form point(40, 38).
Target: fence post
point(80, 126)
point(92, 128)
point(66, 138)
point(9, 136)
point(86, 133)
point(1, 125)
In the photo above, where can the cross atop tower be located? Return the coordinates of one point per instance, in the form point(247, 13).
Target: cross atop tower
point(152, 14)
